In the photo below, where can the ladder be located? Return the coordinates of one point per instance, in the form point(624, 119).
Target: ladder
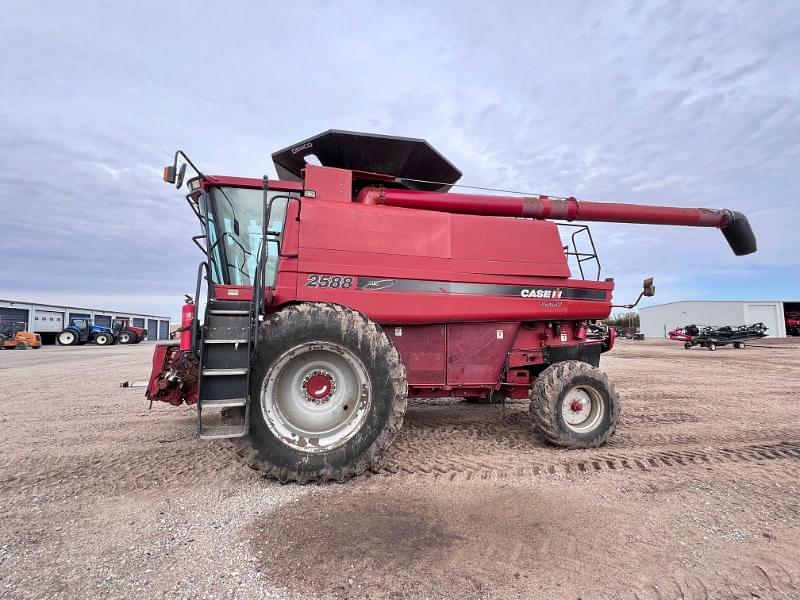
point(224, 377)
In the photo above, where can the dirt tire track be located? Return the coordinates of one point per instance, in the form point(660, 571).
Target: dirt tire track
point(505, 466)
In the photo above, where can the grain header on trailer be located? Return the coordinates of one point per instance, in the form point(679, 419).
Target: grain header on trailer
point(345, 287)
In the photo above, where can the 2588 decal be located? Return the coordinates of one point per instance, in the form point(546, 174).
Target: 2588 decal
point(329, 281)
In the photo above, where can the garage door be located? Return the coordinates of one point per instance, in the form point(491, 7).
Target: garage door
point(14, 314)
point(163, 330)
point(152, 329)
point(75, 315)
point(138, 322)
point(768, 314)
point(48, 321)
point(104, 320)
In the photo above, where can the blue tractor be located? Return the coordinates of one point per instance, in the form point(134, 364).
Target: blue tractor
point(82, 331)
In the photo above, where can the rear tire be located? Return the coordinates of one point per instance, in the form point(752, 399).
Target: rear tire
point(688, 346)
point(126, 337)
point(739, 345)
point(22, 346)
point(574, 405)
point(711, 346)
point(329, 391)
point(67, 338)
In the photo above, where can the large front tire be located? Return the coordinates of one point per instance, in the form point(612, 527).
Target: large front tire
point(126, 337)
point(574, 405)
point(328, 392)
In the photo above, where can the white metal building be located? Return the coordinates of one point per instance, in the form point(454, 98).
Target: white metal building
point(48, 319)
point(656, 321)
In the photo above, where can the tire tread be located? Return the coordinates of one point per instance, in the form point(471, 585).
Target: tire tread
point(283, 321)
point(545, 410)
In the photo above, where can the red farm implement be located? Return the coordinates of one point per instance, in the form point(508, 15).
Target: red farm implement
point(343, 288)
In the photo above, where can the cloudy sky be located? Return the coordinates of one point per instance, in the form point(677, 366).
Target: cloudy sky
point(682, 103)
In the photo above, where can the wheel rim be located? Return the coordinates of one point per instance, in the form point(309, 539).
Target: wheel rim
point(316, 396)
point(582, 409)
point(125, 338)
point(67, 337)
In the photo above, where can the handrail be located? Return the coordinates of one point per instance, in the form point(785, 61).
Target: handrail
point(259, 281)
point(196, 319)
point(581, 257)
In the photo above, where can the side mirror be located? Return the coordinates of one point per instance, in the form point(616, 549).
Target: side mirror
point(649, 290)
point(181, 174)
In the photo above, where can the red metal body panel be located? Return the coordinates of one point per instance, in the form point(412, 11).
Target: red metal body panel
point(337, 183)
point(423, 349)
point(334, 234)
point(476, 352)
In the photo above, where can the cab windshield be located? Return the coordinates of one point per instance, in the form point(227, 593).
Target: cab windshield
point(235, 228)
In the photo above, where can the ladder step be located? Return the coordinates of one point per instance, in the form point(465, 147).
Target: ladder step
point(223, 431)
point(228, 312)
point(223, 403)
point(241, 341)
point(216, 372)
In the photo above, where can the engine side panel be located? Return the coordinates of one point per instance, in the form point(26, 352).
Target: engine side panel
point(476, 352)
point(423, 349)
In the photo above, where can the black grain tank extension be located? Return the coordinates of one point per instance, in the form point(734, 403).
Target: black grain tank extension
point(397, 156)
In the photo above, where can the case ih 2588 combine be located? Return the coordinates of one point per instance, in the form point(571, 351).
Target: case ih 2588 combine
point(343, 288)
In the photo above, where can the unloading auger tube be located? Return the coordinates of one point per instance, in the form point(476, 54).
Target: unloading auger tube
point(734, 225)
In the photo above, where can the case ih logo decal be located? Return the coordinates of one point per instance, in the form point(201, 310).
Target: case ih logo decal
point(540, 293)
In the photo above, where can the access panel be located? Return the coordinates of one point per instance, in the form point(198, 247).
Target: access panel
point(422, 348)
point(476, 352)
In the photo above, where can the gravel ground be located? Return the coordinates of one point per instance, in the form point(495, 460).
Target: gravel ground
point(695, 497)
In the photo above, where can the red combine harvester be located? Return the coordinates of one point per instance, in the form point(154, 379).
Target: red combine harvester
point(343, 288)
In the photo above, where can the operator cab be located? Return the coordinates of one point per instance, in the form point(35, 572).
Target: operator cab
point(80, 324)
point(235, 227)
